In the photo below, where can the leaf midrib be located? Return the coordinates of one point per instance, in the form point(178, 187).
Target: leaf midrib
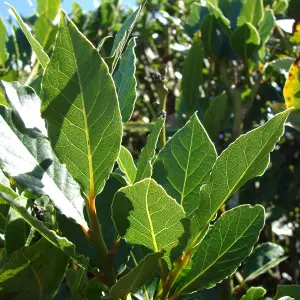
point(86, 131)
point(219, 256)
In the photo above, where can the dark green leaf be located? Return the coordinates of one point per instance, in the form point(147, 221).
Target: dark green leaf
point(136, 278)
point(263, 258)
point(144, 166)
point(209, 33)
point(141, 213)
point(266, 26)
point(125, 81)
point(292, 291)
point(252, 12)
point(226, 245)
point(34, 272)
point(81, 107)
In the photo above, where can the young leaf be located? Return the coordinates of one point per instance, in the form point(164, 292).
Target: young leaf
point(26, 104)
point(280, 6)
point(48, 8)
point(192, 77)
point(50, 235)
point(31, 162)
point(244, 159)
point(245, 40)
point(187, 159)
point(226, 245)
point(126, 82)
point(141, 213)
point(266, 26)
point(291, 89)
point(36, 47)
point(126, 165)
point(3, 40)
point(292, 291)
point(252, 12)
point(215, 115)
point(136, 278)
point(81, 107)
point(144, 166)
point(254, 293)
point(263, 258)
point(35, 272)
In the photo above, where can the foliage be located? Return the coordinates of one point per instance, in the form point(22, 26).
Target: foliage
point(172, 214)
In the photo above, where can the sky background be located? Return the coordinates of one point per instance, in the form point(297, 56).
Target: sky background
point(23, 7)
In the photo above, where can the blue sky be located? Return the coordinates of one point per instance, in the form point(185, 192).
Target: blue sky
point(23, 7)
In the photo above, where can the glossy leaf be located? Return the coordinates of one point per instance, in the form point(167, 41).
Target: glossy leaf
point(252, 12)
point(244, 159)
point(136, 278)
point(141, 213)
point(50, 235)
point(34, 272)
point(26, 104)
point(3, 40)
point(48, 8)
point(262, 259)
point(192, 77)
point(291, 89)
point(144, 166)
point(215, 115)
point(292, 291)
point(254, 293)
point(32, 164)
point(36, 47)
point(187, 160)
point(126, 82)
point(226, 245)
point(266, 26)
point(245, 40)
point(81, 108)
point(126, 165)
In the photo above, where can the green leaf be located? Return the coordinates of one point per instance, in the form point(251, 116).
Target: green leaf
point(48, 8)
point(291, 90)
point(282, 65)
point(247, 157)
point(263, 258)
point(126, 165)
point(252, 12)
point(126, 82)
point(193, 18)
point(144, 166)
point(136, 278)
point(16, 230)
point(266, 26)
point(292, 291)
point(34, 272)
point(254, 293)
point(36, 47)
point(81, 108)
point(215, 115)
point(141, 213)
point(192, 77)
point(3, 40)
point(228, 242)
point(280, 6)
point(213, 7)
point(50, 235)
point(245, 40)
point(187, 160)
point(31, 162)
point(209, 33)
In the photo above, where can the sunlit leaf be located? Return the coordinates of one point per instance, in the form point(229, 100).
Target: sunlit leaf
point(226, 245)
point(252, 12)
point(48, 8)
point(126, 164)
point(3, 40)
point(254, 293)
point(266, 26)
point(81, 108)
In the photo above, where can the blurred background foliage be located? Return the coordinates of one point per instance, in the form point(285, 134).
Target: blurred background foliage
point(219, 59)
